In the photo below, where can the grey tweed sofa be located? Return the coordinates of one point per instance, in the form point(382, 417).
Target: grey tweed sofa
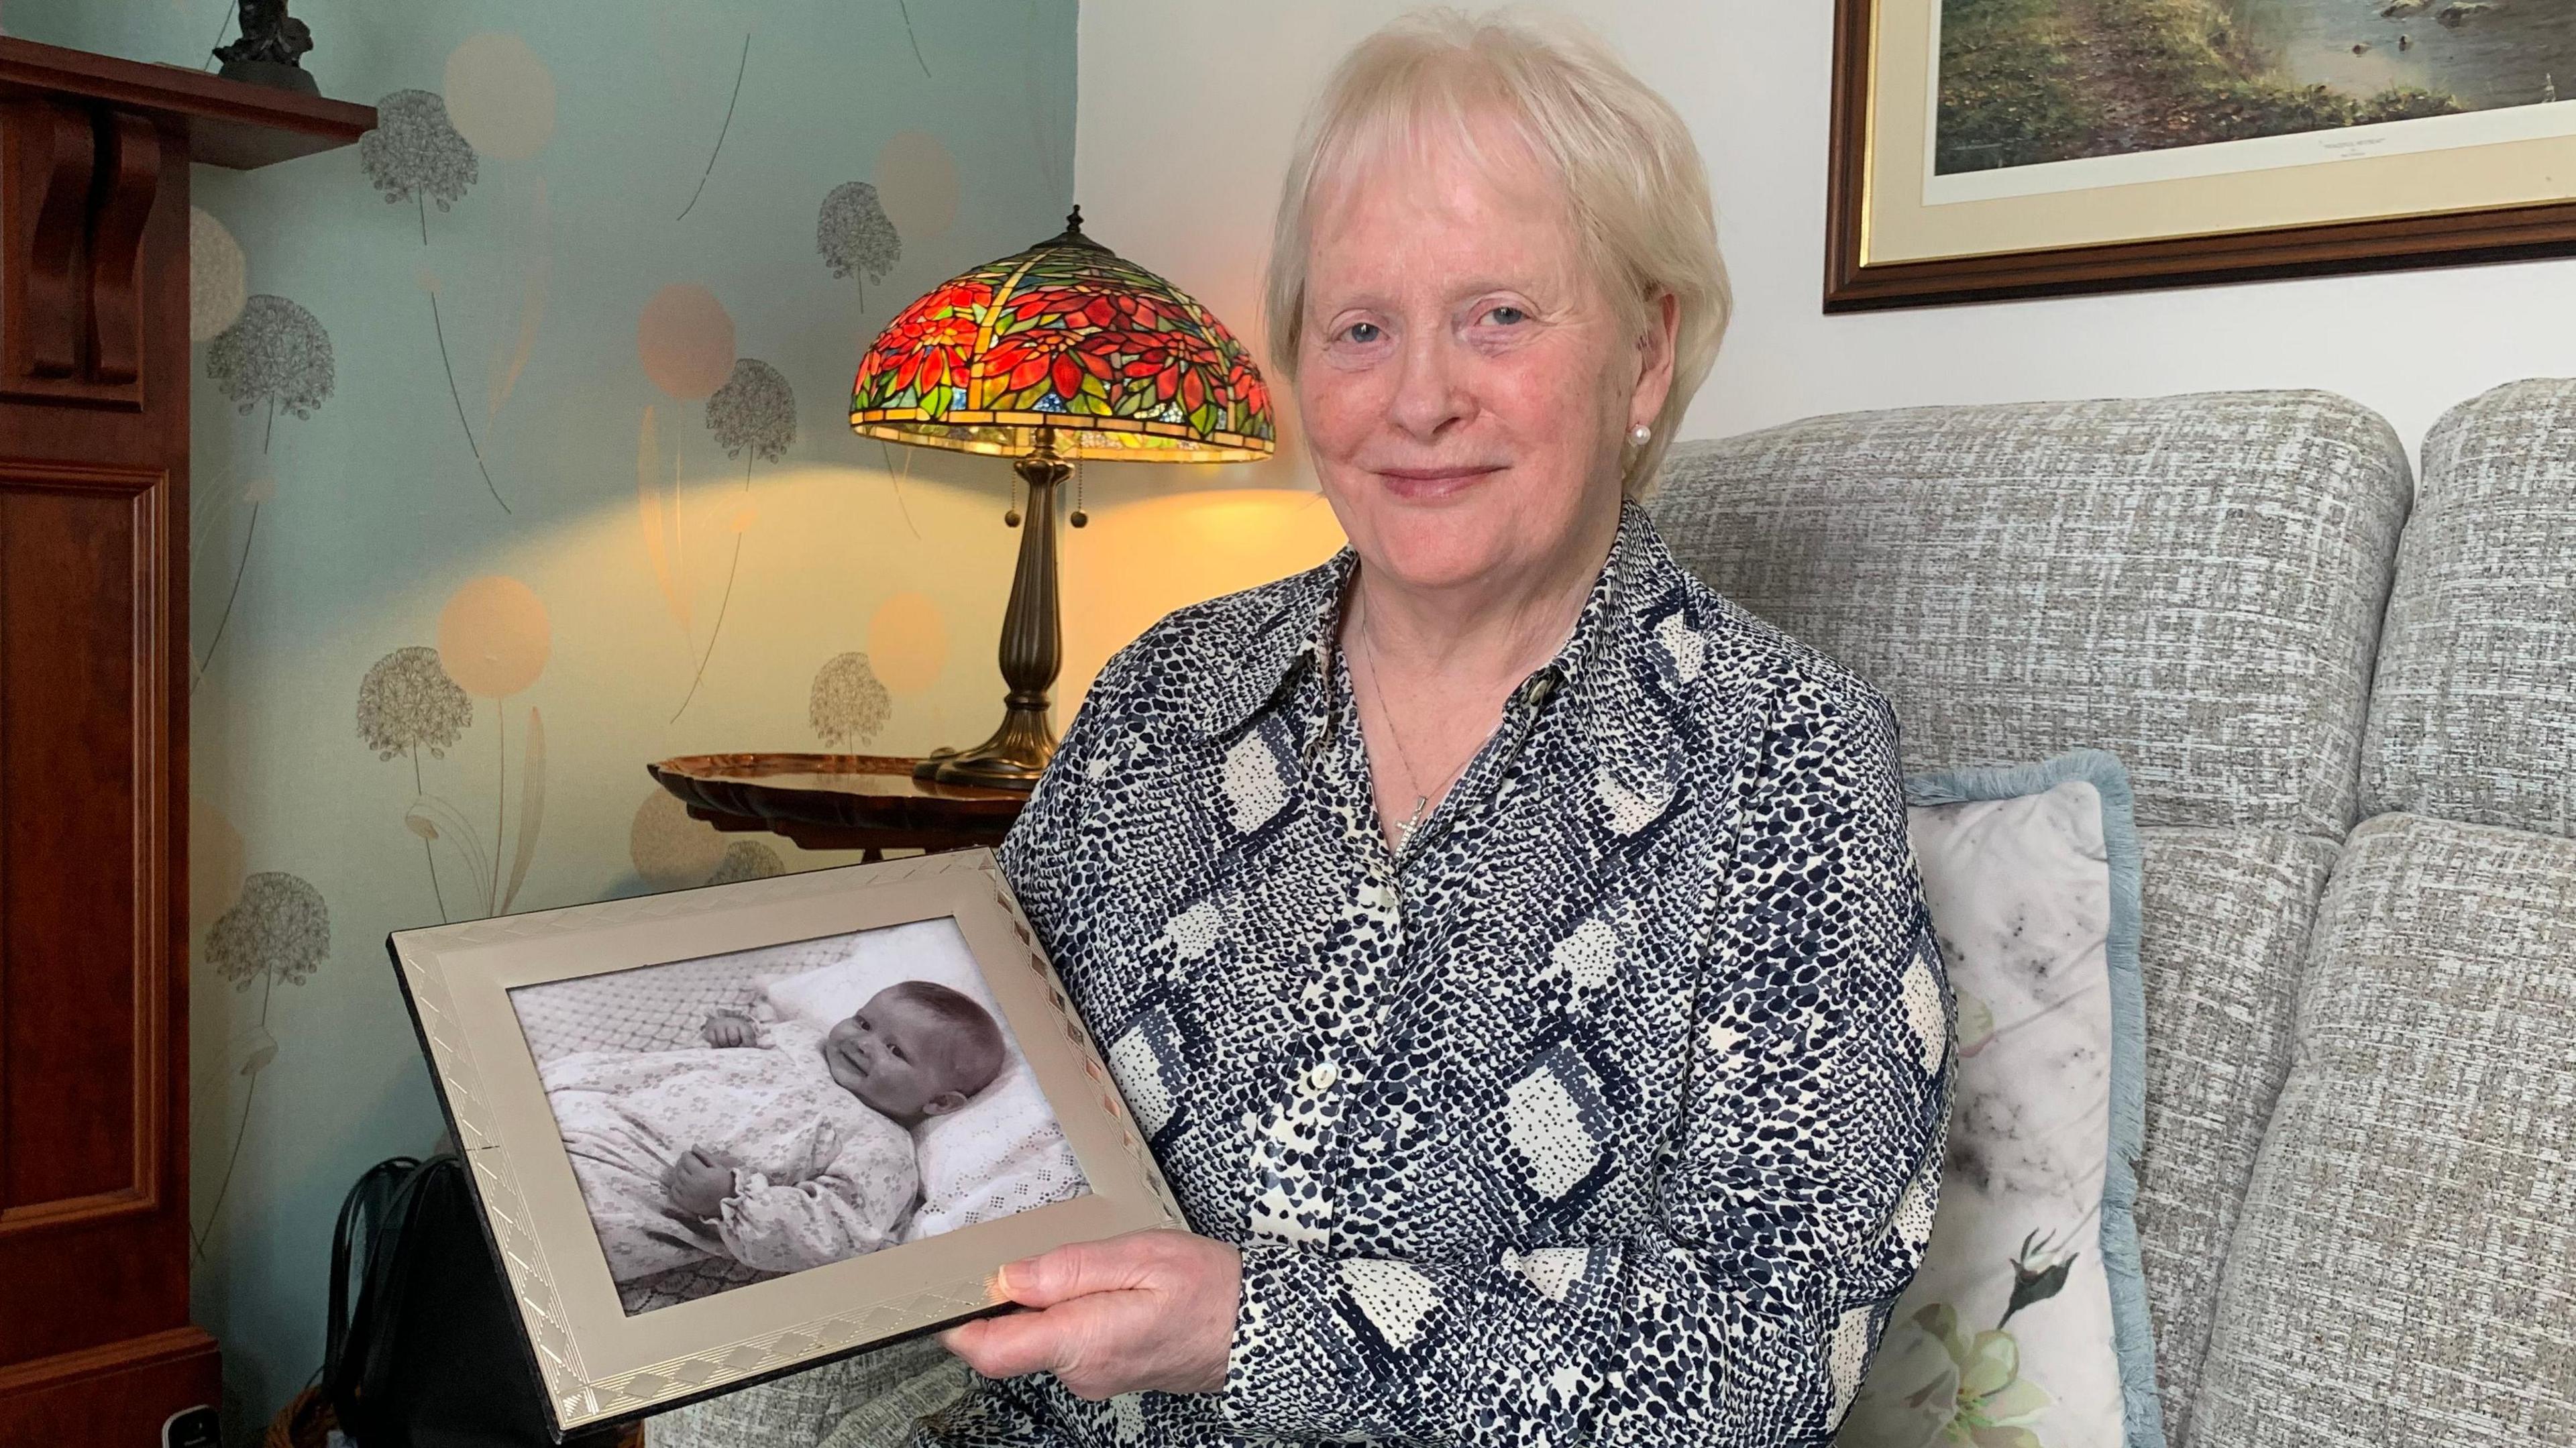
point(2348, 705)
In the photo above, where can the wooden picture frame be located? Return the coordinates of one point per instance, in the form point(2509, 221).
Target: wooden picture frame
point(488, 999)
point(2409, 193)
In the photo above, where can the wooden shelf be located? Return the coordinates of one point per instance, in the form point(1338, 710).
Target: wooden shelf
point(230, 123)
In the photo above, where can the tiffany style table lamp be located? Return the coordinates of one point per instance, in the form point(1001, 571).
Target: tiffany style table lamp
point(1062, 352)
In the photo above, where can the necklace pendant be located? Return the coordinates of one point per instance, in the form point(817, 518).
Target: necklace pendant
point(1405, 828)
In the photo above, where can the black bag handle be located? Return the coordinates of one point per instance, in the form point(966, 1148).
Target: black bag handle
point(364, 1216)
point(422, 1349)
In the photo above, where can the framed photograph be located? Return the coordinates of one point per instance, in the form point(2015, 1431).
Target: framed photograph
point(1985, 149)
point(727, 1133)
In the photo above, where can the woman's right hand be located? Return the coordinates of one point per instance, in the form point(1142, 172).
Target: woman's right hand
point(727, 1029)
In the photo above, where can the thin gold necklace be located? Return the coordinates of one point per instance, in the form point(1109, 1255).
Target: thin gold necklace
point(1404, 828)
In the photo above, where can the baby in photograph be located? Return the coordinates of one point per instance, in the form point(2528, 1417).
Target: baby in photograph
point(775, 1144)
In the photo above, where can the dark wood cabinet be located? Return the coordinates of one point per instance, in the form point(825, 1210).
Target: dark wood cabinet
point(95, 1342)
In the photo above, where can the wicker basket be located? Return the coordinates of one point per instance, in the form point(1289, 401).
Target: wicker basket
point(305, 1423)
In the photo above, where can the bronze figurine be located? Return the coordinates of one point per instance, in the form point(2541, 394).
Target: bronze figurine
point(268, 51)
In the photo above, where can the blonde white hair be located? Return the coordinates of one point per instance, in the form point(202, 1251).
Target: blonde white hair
point(1632, 177)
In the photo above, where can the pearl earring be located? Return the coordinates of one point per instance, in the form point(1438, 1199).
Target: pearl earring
point(1640, 435)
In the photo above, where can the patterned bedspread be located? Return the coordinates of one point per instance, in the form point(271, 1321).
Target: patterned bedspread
point(653, 1008)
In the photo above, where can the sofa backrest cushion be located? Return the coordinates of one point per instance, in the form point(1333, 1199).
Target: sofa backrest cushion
point(2404, 1268)
point(2193, 583)
point(2473, 716)
point(2225, 928)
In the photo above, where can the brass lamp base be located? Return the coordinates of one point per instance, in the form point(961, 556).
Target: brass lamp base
point(1032, 647)
point(1012, 759)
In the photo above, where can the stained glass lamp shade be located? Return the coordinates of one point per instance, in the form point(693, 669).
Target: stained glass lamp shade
point(1061, 352)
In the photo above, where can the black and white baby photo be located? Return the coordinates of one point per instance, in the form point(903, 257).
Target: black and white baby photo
point(738, 1117)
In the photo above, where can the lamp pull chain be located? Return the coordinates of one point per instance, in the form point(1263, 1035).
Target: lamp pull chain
point(1011, 514)
point(1079, 518)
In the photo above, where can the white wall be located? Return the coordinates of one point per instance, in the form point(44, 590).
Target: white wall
point(1186, 107)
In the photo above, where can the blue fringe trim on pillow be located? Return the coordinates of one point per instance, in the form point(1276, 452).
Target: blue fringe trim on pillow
point(2142, 1413)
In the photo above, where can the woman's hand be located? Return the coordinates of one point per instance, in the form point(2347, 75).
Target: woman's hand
point(1149, 1310)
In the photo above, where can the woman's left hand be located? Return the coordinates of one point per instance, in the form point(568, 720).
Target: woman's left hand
point(1151, 1310)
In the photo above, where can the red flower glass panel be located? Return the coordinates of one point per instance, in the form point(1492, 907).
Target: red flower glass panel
point(1068, 336)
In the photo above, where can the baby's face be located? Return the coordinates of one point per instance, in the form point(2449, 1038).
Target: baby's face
point(897, 1056)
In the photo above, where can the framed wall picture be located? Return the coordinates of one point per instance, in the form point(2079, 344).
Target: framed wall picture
point(2003, 148)
point(727, 1133)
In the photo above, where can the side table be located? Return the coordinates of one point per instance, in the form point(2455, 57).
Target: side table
point(866, 802)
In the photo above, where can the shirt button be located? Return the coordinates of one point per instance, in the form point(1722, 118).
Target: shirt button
point(1322, 1075)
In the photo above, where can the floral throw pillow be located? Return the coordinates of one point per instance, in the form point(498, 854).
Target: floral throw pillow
point(2027, 1327)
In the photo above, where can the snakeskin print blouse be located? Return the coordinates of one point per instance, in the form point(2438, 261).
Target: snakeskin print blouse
point(1608, 1109)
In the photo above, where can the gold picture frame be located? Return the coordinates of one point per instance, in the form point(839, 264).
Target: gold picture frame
point(598, 1360)
point(1905, 227)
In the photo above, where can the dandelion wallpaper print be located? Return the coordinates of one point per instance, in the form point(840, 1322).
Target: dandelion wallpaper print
point(521, 459)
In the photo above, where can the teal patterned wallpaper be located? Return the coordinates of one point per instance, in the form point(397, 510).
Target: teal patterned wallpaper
point(521, 458)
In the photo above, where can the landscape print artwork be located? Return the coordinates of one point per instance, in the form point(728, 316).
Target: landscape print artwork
point(2025, 82)
point(1985, 149)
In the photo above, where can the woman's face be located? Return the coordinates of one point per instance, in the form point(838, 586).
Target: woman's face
point(1465, 384)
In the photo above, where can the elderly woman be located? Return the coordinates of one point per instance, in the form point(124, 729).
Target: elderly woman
point(1512, 946)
